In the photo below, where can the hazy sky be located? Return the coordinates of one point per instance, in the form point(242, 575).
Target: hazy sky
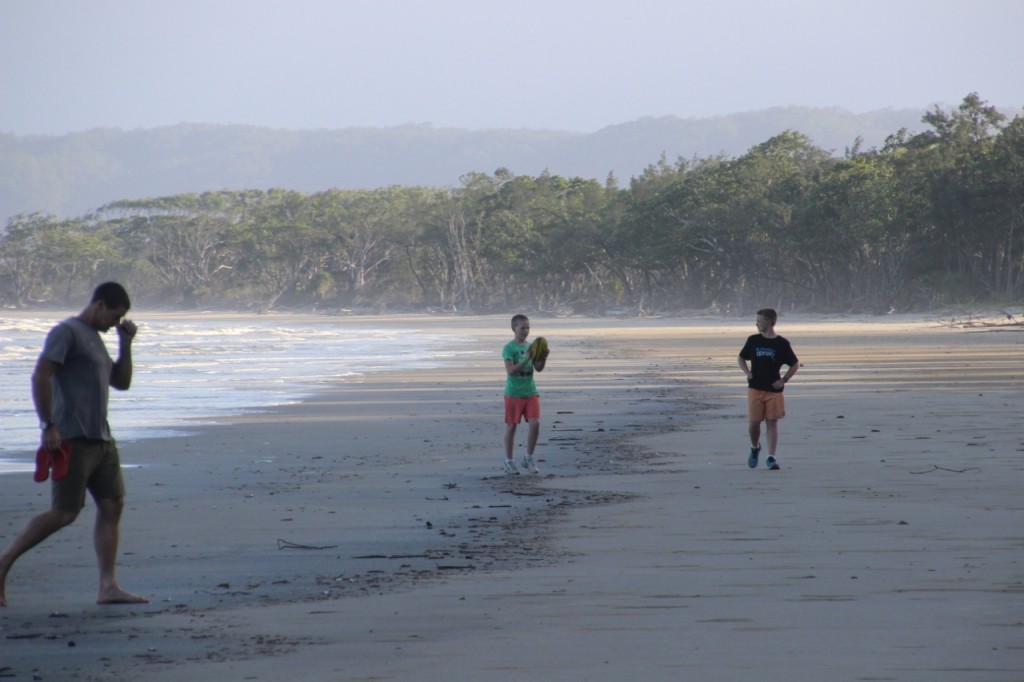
point(69, 65)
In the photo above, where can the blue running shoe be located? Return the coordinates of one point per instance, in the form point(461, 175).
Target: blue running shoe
point(752, 459)
point(772, 464)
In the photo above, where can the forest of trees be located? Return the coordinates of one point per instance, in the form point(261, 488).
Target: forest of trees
point(929, 219)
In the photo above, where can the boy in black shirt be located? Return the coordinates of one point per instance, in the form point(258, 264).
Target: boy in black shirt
point(761, 359)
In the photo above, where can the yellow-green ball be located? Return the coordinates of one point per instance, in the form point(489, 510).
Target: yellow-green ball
point(539, 348)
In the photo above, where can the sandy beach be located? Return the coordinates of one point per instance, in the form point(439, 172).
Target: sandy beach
point(367, 534)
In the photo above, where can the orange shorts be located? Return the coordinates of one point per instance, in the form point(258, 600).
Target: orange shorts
point(519, 409)
point(765, 405)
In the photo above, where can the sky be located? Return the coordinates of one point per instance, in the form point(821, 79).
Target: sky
point(573, 65)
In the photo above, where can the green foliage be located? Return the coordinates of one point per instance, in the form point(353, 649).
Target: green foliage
point(931, 218)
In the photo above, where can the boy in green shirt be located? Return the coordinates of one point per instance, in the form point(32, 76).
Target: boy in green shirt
point(521, 399)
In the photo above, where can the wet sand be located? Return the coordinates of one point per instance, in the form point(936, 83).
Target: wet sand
point(367, 533)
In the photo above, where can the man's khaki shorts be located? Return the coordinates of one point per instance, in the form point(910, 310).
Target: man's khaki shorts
point(765, 405)
point(95, 466)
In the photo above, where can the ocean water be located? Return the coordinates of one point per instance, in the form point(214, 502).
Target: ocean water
point(202, 370)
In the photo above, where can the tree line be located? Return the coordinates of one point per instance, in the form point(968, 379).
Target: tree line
point(928, 219)
point(71, 174)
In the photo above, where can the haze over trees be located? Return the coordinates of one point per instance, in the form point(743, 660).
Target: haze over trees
point(72, 174)
point(927, 219)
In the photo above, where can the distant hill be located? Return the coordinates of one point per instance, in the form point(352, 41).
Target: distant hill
point(71, 175)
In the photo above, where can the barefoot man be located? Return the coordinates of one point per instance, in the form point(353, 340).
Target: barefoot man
point(70, 386)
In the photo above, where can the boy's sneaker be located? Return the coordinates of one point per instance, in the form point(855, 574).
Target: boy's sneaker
point(752, 459)
point(510, 468)
point(772, 464)
point(530, 465)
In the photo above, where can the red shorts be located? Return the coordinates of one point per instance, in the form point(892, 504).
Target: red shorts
point(518, 409)
point(765, 405)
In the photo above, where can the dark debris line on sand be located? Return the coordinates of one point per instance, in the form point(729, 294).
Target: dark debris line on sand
point(510, 532)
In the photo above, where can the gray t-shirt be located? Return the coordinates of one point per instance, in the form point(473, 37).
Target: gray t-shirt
point(81, 386)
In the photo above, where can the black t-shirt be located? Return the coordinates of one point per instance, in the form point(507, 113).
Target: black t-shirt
point(766, 357)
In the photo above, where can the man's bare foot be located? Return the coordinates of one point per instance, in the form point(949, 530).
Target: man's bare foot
point(115, 595)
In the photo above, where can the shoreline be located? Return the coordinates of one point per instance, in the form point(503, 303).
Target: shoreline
point(205, 369)
point(432, 564)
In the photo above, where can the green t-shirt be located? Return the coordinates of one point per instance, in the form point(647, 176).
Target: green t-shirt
point(520, 384)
